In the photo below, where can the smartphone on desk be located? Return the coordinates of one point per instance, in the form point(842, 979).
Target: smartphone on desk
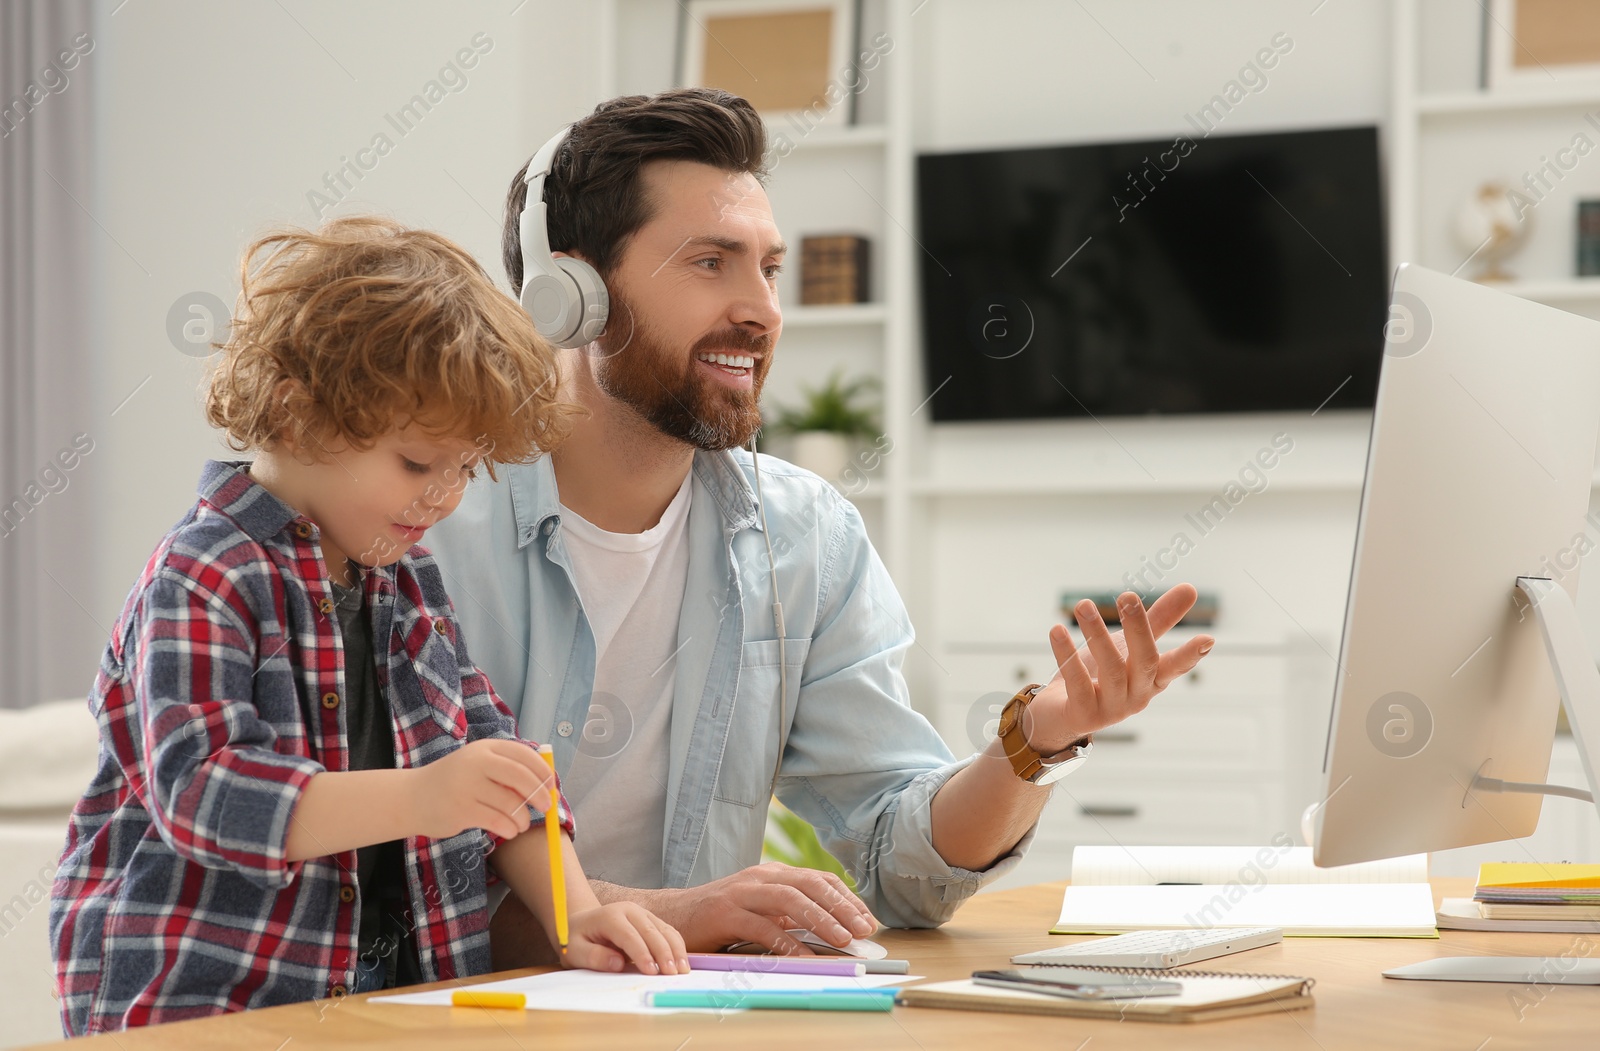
point(1078, 983)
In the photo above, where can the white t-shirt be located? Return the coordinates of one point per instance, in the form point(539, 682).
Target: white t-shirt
point(631, 586)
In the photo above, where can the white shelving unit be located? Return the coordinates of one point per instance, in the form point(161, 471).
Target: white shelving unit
point(1448, 135)
point(1439, 125)
point(827, 179)
point(834, 316)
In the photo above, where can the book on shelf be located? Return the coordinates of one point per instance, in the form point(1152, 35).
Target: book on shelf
point(1588, 238)
point(833, 269)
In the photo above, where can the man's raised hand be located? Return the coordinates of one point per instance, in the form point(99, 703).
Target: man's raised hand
point(1113, 675)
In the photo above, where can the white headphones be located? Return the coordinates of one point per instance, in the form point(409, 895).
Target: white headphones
point(565, 297)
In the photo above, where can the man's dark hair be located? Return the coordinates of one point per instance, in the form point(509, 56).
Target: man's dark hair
point(592, 195)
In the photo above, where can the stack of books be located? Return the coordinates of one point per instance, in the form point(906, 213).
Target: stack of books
point(833, 270)
point(1529, 896)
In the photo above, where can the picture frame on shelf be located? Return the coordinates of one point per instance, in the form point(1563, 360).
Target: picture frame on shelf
point(790, 58)
point(1541, 44)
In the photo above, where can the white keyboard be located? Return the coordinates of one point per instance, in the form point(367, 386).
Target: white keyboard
point(1156, 948)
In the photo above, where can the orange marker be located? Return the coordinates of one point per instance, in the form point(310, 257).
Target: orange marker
point(552, 834)
point(473, 998)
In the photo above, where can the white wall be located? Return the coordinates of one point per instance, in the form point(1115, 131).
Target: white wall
point(217, 121)
point(1042, 71)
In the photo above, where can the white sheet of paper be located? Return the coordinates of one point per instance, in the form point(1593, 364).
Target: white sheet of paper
point(1354, 910)
point(624, 993)
point(1146, 866)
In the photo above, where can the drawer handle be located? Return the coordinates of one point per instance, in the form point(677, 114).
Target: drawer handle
point(1116, 737)
point(1112, 810)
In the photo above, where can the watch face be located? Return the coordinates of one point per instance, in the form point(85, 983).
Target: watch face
point(1056, 771)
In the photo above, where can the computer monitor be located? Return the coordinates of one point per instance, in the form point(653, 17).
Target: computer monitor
point(1479, 472)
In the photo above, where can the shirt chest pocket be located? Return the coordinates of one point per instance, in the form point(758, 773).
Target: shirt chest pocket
point(751, 755)
point(434, 669)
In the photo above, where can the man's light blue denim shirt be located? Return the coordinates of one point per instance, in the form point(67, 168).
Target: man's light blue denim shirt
point(858, 762)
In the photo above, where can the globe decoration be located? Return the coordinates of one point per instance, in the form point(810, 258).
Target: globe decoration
point(1487, 226)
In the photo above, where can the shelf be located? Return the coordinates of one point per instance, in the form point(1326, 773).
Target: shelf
point(844, 314)
point(826, 137)
point(978, 488)
point(1568, 290)
point(1242, 646)
point(1507, 101)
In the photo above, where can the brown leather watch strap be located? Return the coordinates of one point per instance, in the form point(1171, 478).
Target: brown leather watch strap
point(1026, 762)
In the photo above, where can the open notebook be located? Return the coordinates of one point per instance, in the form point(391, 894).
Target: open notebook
point(1119, 889)
point(1206, 995)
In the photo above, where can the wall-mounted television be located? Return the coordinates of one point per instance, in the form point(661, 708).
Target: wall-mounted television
point(1242, 273)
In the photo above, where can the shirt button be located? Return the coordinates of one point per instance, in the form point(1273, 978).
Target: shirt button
point(303, 530)
point(549, 527)
point(440, 626)
point(347, 894)
point(330, 700)
point(338, 990)
point(564, 728)
point(325, 605)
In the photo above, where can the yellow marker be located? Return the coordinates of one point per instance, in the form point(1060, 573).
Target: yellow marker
point(469, 998)
point(552, 834)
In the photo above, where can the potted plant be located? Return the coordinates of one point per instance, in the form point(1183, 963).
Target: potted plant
point(791, 840)
point(827, 423)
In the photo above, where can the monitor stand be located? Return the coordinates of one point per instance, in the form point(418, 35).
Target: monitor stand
point(1576, 677)
point(1579, 682)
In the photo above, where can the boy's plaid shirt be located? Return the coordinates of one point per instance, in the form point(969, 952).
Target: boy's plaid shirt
point(219, 696)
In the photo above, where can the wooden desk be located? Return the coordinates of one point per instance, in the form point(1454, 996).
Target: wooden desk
point(1356, 1008)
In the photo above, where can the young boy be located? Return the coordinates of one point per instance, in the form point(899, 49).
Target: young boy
point(302, 773)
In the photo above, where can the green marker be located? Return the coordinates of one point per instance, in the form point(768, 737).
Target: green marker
point(787, 1000)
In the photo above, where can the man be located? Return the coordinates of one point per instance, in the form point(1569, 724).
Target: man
point(621, 590)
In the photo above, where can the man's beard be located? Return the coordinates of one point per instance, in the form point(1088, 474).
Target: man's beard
point(664, 385)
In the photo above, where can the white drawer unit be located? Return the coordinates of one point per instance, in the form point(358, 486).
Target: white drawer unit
point(1172, 734)
point(1115, 809)
point(1169, 735)
point(1222, 756)
point(1119, 809)
point(1254, 672)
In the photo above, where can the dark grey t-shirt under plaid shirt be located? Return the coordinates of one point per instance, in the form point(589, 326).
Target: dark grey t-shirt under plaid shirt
point(380, 868)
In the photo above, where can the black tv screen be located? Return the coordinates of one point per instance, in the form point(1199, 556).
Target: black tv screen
point(1222, 274)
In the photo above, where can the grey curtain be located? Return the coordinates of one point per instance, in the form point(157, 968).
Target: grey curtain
point(49, 640)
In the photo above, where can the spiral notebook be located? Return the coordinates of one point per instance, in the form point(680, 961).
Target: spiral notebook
point(1206, 995)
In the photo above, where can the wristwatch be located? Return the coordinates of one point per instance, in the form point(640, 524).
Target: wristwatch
point(1030, 765)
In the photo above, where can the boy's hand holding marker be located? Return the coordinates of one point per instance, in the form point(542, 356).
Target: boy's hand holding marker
point(489, 785)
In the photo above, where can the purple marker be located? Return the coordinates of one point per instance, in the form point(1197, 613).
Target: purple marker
point(777, 965)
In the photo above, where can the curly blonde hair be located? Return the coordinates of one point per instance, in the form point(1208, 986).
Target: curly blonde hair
point(354, 329)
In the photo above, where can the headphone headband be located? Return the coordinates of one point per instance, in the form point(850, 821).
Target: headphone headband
point(565, 297)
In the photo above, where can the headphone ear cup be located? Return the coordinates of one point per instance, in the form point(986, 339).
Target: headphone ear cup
point(594, 305)
point(549, 300)
point(568, 307)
